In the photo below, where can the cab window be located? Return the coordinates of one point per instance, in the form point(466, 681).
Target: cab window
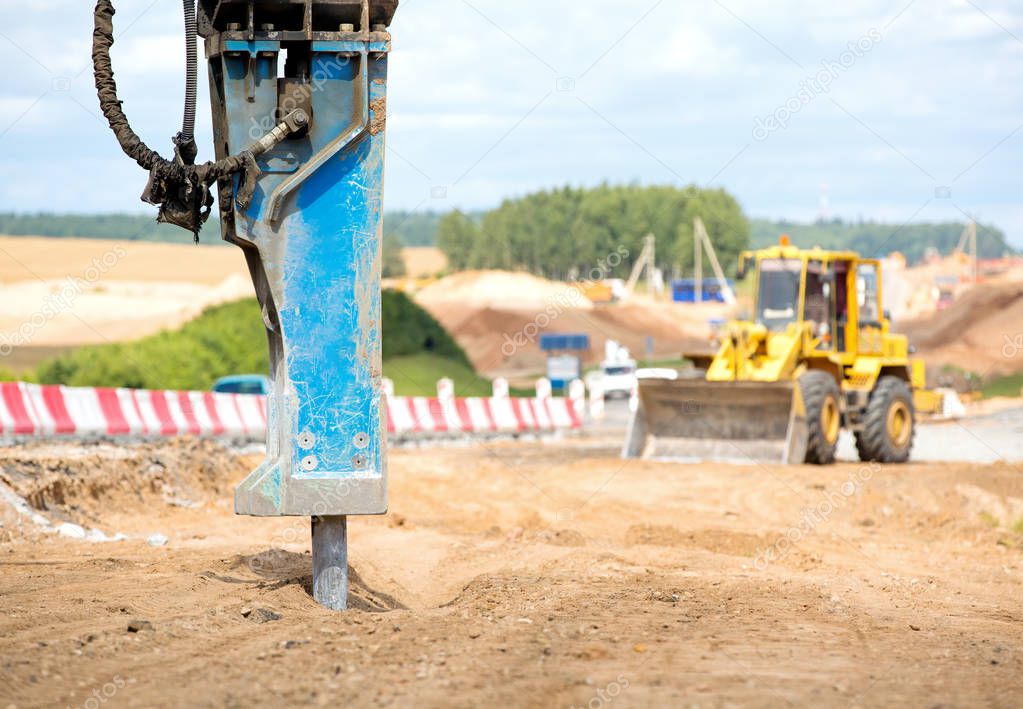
point(867, 294)
point(778, 294)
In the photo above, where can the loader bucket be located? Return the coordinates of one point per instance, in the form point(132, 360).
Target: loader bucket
point(693, 419)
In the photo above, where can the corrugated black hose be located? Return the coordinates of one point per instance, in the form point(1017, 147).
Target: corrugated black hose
point(185, 140)
point(178, 187)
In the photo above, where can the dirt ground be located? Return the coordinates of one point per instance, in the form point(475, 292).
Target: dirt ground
point(519, 574)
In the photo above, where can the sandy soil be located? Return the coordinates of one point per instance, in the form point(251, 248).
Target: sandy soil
point(68, 292)
point(524, 575)
point(30, 258)
point(981, 332)
point(423, 261)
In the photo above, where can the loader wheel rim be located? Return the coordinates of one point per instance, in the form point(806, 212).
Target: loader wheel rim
point(900, 424)
point(831, 421)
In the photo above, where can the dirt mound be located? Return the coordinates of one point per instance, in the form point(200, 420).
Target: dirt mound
point(70, 292)
point(719, 541)
point(423, 261)
point(81, 483)
point(503, 289)
point(981, 332)
point(498, 317)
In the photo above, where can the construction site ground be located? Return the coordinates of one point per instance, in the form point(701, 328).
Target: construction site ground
point(522, 574)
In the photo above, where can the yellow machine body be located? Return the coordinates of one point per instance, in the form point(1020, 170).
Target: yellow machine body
point(816, 312)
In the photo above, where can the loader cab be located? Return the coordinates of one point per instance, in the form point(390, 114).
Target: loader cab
point(778, 300)
point(834, 293)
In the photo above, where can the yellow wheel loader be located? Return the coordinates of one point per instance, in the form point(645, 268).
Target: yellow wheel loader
point(817, 356)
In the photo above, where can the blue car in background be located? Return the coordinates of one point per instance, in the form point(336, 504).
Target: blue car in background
point(243, 384)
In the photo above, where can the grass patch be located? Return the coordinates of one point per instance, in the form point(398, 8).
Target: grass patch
point(1003, 386)
point(417, 375)
point(989, 519)
point(1018, 527)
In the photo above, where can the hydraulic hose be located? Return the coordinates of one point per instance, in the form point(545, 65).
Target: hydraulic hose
point(179, 187)
point(132, 145)
point(191, 72)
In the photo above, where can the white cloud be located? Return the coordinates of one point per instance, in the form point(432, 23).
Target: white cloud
point(678, 92)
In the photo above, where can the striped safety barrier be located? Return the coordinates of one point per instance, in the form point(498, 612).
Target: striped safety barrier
point(41, 410)
point(49, 410)
point(424, 416)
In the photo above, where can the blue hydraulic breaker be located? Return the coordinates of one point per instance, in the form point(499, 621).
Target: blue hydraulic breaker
point(309, 222)
point(299, 98)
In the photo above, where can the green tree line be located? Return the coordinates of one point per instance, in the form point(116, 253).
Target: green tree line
point(875, 239)
point(556, 232)
point(569, 232)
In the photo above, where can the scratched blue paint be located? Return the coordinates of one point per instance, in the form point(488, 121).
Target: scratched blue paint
point(243, 45)
point(322, 260)
point(335, 46)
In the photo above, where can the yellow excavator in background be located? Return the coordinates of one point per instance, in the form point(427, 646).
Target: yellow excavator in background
point(817, 356)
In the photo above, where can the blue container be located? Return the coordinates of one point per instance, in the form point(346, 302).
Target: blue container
point(683, 290)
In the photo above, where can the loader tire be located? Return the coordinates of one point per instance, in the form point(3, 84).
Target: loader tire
point(823, 416)
point(889, 424)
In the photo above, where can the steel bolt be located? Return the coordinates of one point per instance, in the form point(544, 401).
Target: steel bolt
point(359, 461)
point(347, 27)
point(306, 440)
point(267, 27)
point(361, 440)
point(310, 463)
point(234, 26)
point(379, 28)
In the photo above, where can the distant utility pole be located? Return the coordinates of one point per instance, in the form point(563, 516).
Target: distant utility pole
point(969, 240)
point(701, 242)
point(647, 259)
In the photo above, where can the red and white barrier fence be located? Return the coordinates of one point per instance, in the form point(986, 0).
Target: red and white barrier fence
point(426, 416)
point(41, 410)
point(410, 417)
point(45, 410)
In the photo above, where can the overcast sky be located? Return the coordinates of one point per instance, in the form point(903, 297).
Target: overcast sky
point(905, 111)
